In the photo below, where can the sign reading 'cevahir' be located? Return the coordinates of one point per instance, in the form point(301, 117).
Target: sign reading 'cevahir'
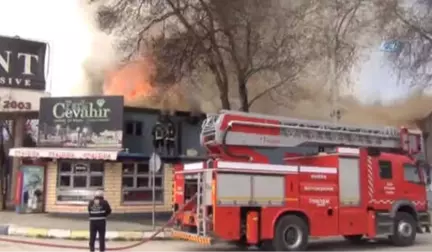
point(22, 63)
point(93, 121)
point(81, 110)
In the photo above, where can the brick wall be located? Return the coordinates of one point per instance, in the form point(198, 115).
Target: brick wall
point(112, 182)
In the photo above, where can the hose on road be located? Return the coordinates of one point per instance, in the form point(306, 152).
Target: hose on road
point(144, 240)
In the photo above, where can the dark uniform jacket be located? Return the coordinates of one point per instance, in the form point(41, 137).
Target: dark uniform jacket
point(99, 210)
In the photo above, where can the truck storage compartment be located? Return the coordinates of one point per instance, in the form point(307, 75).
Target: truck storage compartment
point(193, 185)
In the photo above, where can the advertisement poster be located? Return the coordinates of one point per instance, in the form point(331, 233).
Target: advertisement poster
point(23, 63)
point(32, 189)
point(84, 122)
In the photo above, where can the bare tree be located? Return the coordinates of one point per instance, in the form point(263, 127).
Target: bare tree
point(234, 40)
point(338, 27)
point(407, 26)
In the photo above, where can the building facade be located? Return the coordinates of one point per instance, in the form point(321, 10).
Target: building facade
point(72, 174)
point(24, 66)
point(126, 186)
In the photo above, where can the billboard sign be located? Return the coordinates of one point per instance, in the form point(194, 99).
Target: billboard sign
point(20, 100)
point(22, 63)
point(86, 122)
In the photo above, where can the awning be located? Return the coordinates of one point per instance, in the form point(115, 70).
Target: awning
point(63, 153)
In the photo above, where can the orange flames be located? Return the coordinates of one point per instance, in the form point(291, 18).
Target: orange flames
point(133, 81)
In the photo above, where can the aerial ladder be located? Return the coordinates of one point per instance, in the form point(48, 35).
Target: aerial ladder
point(233, 128)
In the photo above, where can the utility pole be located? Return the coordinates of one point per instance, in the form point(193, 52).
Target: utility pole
point(155, 164)
point(335, 113)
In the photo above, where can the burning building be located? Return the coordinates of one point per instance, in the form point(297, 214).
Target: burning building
point(97, 143)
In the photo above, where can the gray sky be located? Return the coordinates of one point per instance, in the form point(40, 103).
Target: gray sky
point(376, 81)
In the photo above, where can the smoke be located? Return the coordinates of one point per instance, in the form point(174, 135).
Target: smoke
point(168, 99)
point(136, 82)
point(403, 112)
point(101, 58)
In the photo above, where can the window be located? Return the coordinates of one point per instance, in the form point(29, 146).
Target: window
point(411, 173)
point(138, 128)
point(137, 183)
point(385, 169)
point(129, 128)
point(134, 128)
point(77, 181)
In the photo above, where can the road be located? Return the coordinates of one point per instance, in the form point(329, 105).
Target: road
point(424, 243)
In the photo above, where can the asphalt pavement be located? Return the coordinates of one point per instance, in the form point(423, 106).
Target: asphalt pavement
point(424, 243)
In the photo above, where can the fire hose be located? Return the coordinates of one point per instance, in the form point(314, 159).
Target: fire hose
point(144, 240)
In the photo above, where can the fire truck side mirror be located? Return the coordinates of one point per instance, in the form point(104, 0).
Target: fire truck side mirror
point(411, 142)
point(427, 173)
point(425, 169)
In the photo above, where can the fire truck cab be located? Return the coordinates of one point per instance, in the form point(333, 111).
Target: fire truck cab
point(275, 182)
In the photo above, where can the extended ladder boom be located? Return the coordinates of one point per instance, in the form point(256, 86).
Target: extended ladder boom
point(250, 129)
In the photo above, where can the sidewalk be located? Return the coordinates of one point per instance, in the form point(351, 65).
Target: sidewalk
point(119, 227)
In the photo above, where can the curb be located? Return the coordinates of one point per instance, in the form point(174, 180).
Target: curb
point(14, 230)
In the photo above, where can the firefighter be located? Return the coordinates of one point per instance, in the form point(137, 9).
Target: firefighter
point(98, 209)
point(170, 137)
point(158, 133)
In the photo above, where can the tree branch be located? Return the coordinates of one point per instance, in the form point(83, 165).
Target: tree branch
point(416, 28)
point(145, 29)
point(271, 88)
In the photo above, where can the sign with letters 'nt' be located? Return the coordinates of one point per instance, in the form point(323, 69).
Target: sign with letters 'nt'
point(22, 63)
point(88, 122)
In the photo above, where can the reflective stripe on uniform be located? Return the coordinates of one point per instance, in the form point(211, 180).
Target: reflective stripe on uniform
point(97, 212)
point(97, 218)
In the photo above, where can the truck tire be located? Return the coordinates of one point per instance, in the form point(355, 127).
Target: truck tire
point(404, 230)
point(291, 234)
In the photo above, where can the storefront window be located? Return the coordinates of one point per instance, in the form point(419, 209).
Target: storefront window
point(77, 181)
point(137, 183)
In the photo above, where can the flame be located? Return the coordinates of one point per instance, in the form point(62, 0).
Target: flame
point(132, 80)
point(135, 82)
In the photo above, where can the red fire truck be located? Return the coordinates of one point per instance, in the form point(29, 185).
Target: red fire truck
point(274, 182)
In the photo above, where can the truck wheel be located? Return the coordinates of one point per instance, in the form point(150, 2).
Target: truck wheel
point(291, 234)
point(404, 230)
